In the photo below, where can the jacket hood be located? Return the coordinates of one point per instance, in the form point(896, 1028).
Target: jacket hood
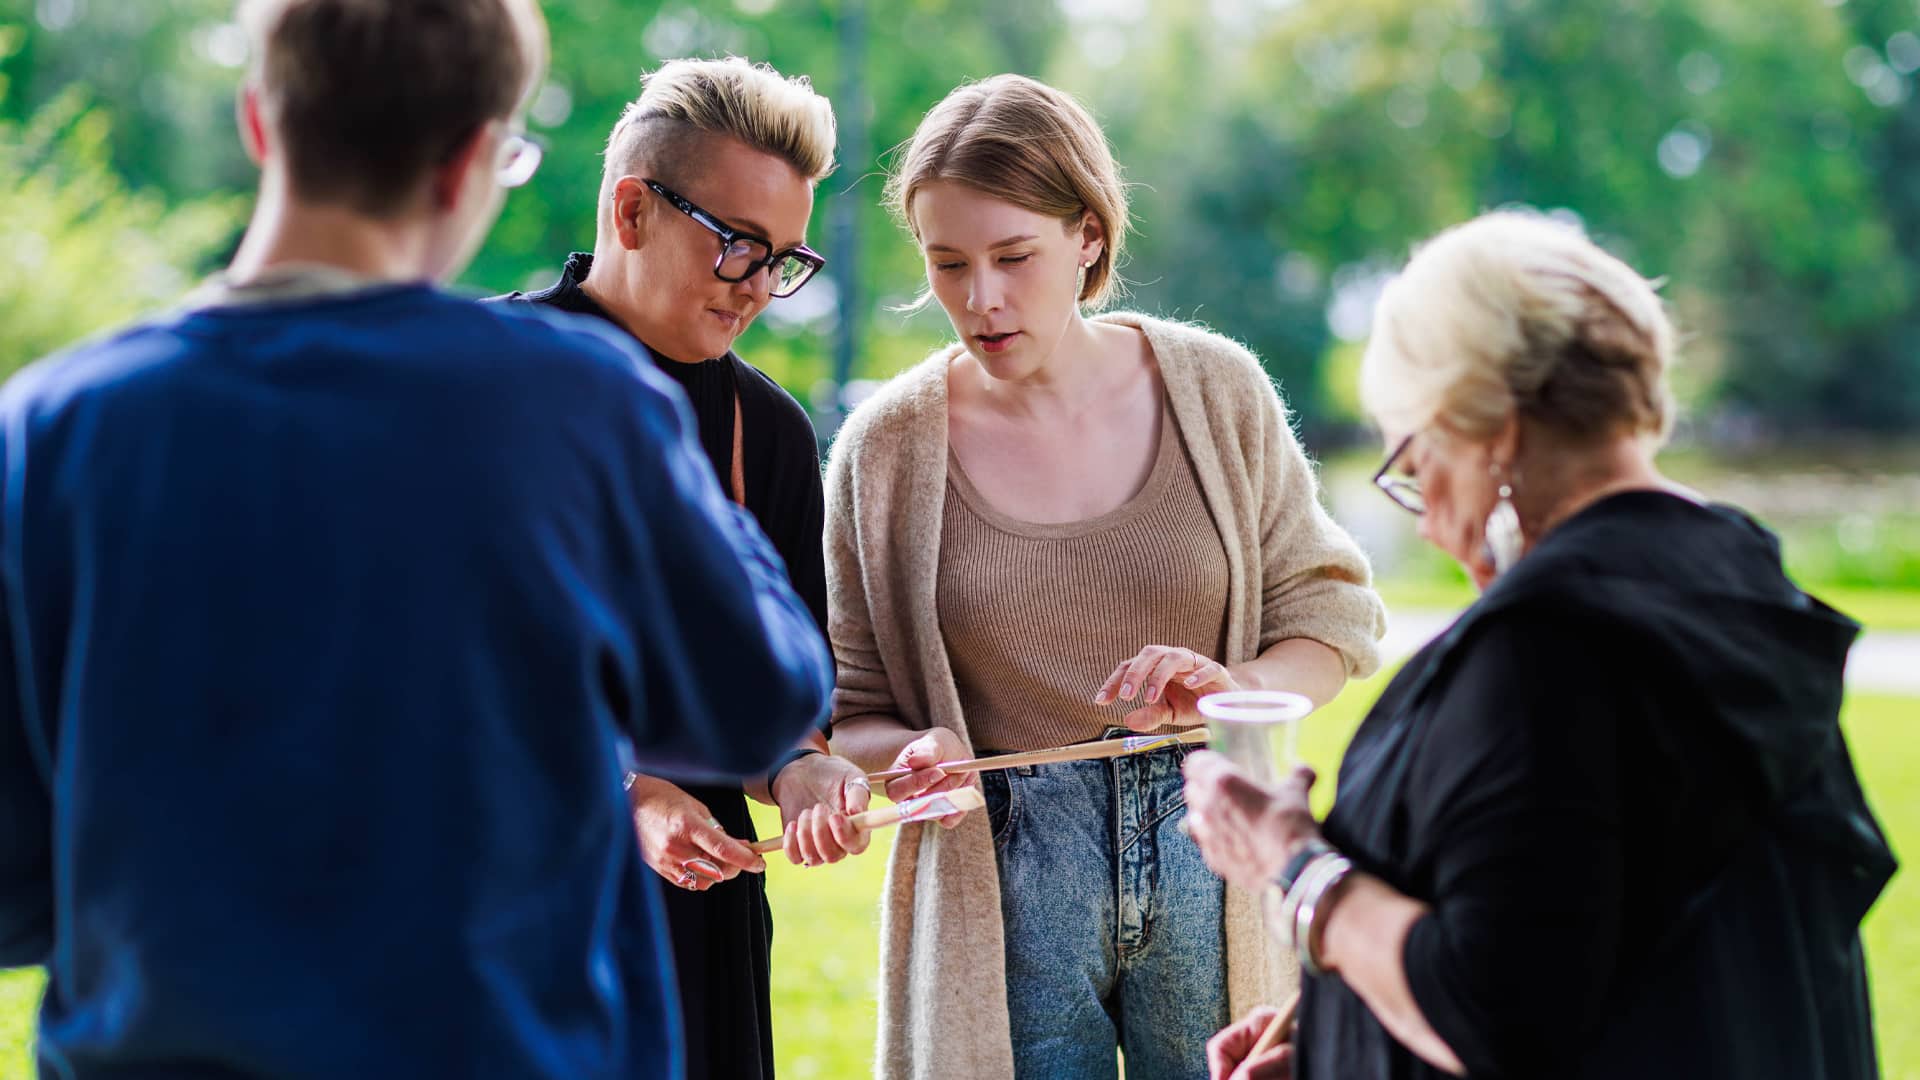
point(1706, 586)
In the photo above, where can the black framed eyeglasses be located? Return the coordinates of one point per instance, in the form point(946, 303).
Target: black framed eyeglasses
point(742, 255)
point(1403, 490)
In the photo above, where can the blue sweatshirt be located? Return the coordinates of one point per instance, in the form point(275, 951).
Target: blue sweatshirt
point(321, 624)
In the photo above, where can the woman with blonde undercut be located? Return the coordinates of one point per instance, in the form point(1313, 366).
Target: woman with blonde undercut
point(1606, 824)
point(705, 199)
point(1060, 528)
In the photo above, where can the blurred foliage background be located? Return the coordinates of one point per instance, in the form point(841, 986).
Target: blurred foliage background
point(1760, 156)
point(1763, 156)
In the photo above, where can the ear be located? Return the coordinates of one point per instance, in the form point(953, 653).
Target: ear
point(628, 205)
point(450, 178)
point(253, 126)
point(1505, 445)
point(1093, 238)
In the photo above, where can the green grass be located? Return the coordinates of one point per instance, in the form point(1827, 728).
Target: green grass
point(1449, 593)
point(826, 951)
point(1881, 731)
point(19, 997)
point(1876, 609)
point(1892, 609)
point(826, 927)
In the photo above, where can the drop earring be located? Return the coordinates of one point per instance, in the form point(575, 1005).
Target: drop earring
point(1080, 281)
point(1504, 540)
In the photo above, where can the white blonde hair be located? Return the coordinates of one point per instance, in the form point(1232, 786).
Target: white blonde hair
point(1516, 312)
point(686, 99)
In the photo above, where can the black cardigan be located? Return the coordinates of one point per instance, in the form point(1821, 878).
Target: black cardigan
point(722, 938)
point(779, 451)
point(1620, 783)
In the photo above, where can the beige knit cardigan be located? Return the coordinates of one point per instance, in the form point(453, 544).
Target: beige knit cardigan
point(1292, 573)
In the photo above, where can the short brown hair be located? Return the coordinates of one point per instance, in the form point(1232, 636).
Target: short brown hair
point(367, 96)
point(1028, 144)
point(684, 100)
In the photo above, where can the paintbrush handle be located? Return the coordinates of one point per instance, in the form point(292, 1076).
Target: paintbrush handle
point(1278, 1028)
point(881, 817)
point(1086, 751)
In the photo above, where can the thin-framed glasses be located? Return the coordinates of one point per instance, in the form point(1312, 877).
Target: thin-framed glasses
point(519, 155)
point(1403, 490)
point(742, 255)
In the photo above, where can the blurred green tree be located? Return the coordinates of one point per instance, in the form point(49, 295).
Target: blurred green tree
point(1711, 144)
point(166, 72)
point(1757, 155)
point(86, 251)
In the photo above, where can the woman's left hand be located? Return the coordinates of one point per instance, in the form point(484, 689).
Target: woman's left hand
point(1170, 680)
point(1247, 832)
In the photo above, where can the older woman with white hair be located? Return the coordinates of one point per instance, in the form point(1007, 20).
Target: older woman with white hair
point(1606, 824)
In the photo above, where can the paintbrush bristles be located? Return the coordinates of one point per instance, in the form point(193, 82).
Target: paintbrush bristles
point(918, 808)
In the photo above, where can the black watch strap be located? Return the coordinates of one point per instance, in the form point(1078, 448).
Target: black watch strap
point(1290, 873)
point(785, 760)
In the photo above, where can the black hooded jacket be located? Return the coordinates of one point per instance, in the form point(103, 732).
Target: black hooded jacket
point(1620, 783)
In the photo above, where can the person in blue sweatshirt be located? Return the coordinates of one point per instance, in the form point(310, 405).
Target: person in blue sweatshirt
point(330, 603)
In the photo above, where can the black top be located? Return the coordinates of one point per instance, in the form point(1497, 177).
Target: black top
point(779, 450)
point(722, 937)
point(1620, 783)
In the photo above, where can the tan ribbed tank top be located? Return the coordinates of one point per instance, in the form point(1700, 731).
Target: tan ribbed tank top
point(1037, 616)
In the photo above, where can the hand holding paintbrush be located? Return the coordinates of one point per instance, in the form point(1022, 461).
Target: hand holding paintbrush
point(1256, 1048)
point(946, 789)
point(925, 808)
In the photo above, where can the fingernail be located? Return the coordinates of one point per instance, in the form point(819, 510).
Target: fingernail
point(1126, 689)
point(1193, 680)
point(1153, 695)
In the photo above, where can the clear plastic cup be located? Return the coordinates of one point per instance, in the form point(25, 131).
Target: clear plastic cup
point(1255, 729)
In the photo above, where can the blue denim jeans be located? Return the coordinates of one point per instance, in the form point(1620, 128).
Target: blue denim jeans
point(1113, 921)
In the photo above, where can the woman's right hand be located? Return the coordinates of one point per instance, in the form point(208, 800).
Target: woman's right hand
point(818, 796)
point(1230, 1053)
point(1246, 832)
point(680, 839)
point(924, 755)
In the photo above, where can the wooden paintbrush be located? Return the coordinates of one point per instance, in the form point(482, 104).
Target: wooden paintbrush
point(920, 808)
point(1086, 751)
point(1280, 1027)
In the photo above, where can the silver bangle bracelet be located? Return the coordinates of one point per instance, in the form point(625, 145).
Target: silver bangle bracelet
point(1338, 867)
point(1289, 902)
point(1302, 886)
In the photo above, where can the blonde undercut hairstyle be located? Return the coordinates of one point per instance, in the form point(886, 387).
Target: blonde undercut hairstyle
point(686, 101)
point(1026, 143)
point(1517, 312)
